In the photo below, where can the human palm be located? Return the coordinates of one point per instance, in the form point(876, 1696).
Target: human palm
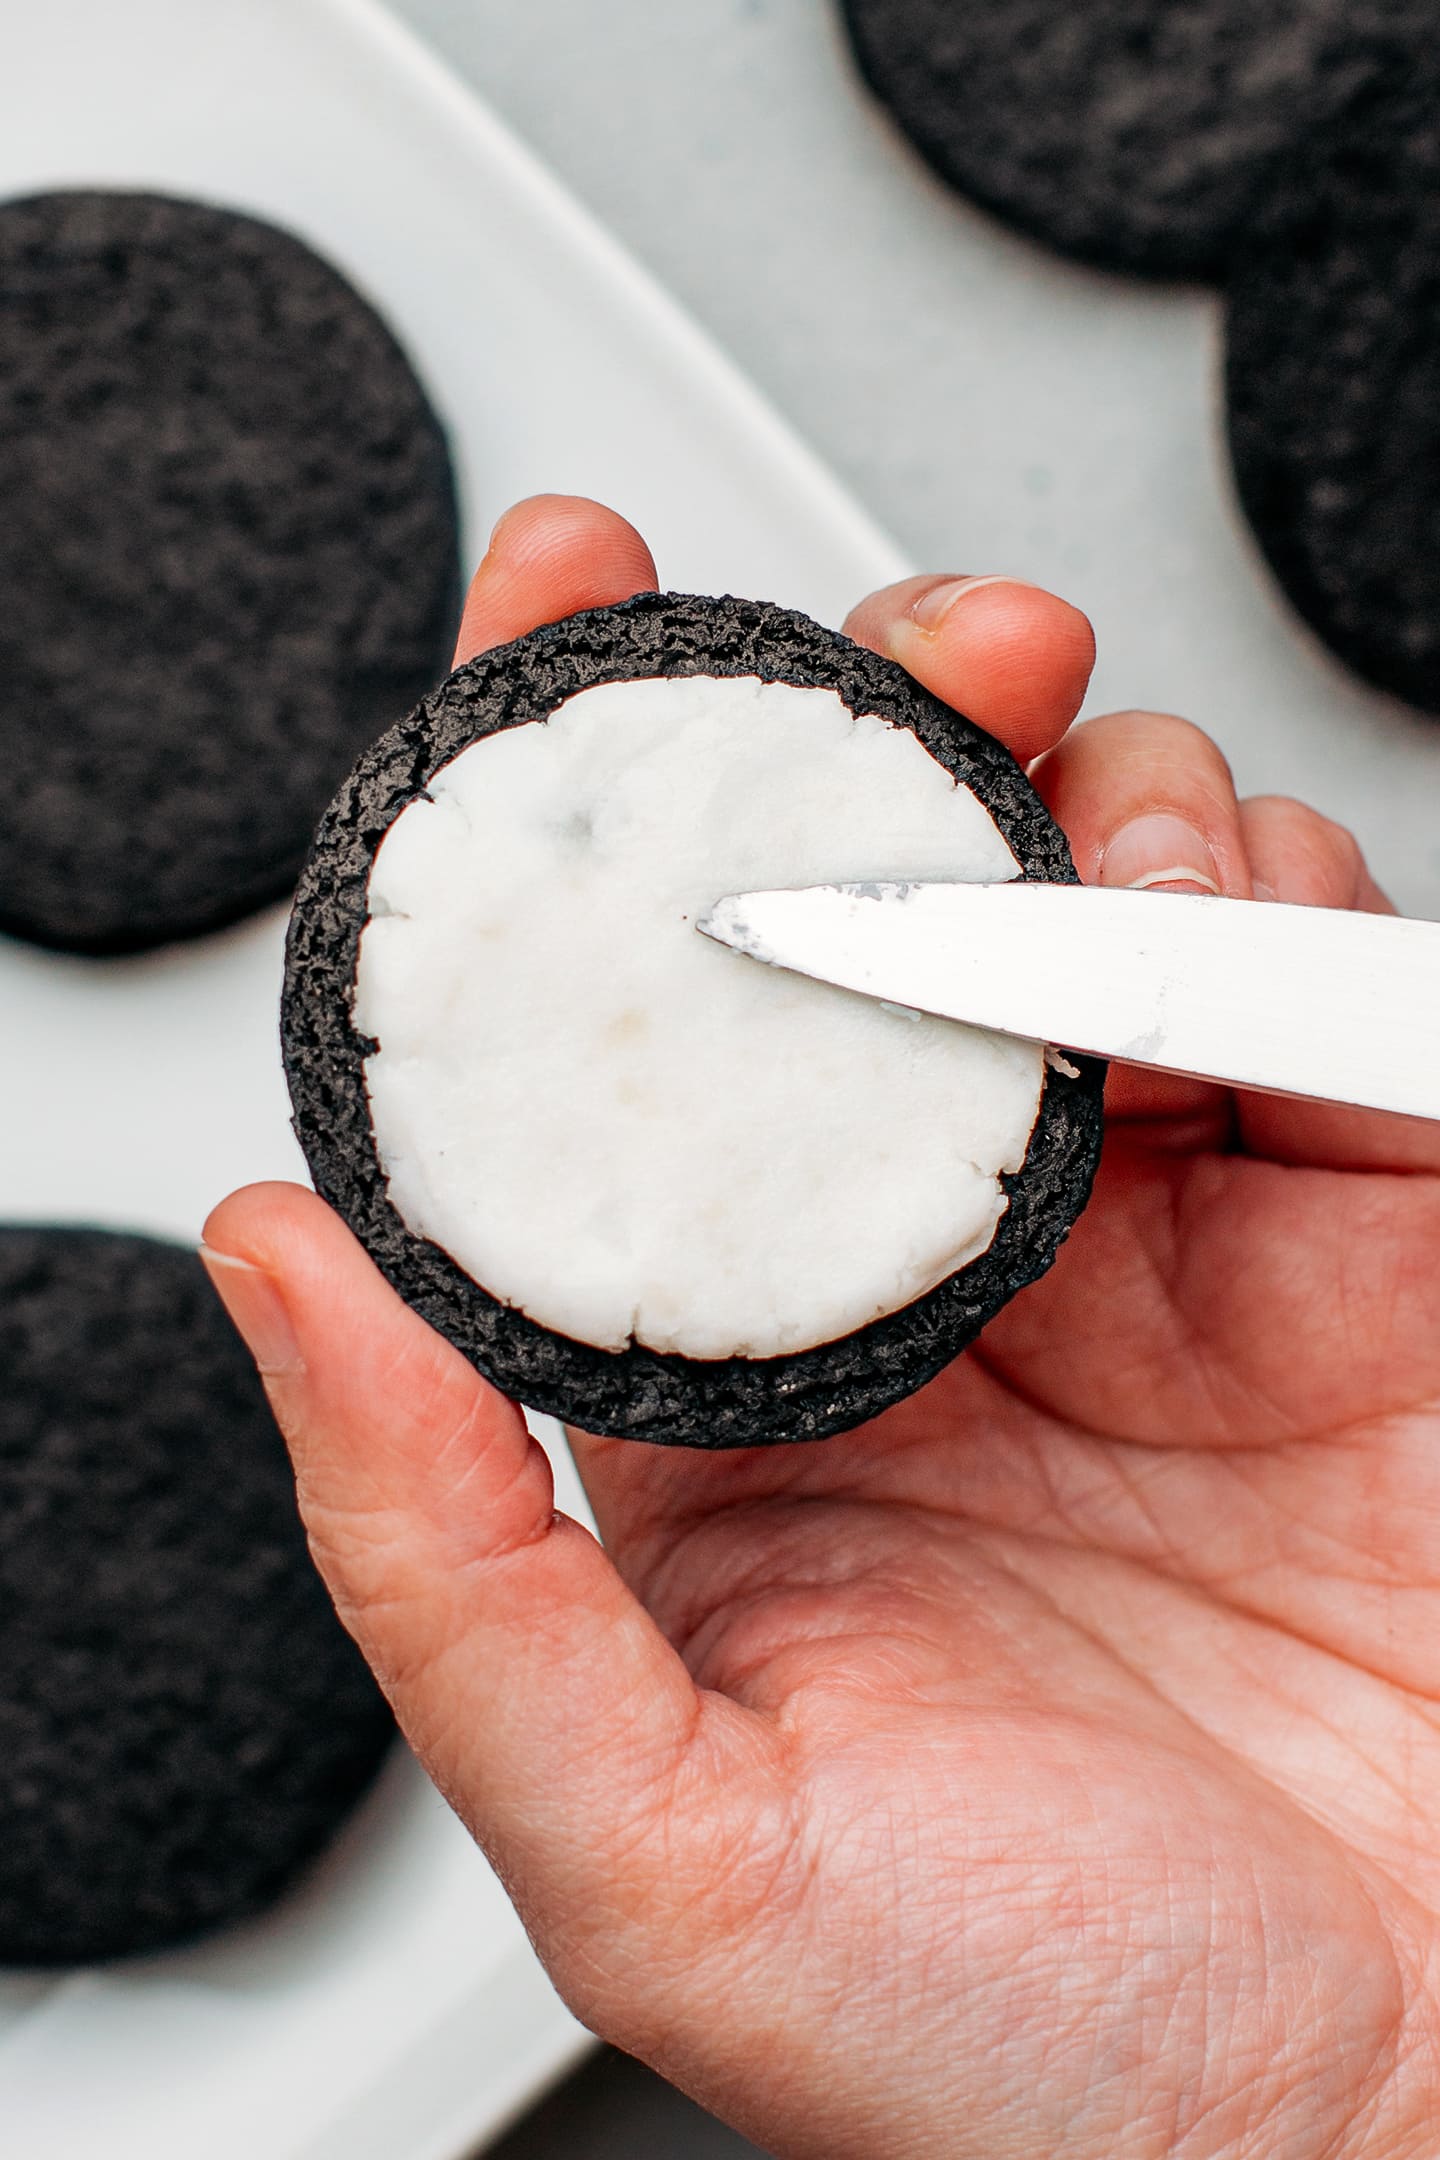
point(1049, 1766)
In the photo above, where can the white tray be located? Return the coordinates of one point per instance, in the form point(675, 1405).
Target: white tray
point(391, 2009)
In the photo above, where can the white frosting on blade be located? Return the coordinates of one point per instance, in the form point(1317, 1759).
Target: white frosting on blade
point(627, 1130)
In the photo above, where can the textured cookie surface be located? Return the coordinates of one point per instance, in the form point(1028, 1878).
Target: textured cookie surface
point(1334, 382)
point(183, 1720)
point(637, 1392)
point(229, 556)
point(1132, 133)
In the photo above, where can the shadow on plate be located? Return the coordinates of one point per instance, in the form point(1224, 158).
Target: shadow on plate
point(612, 2108)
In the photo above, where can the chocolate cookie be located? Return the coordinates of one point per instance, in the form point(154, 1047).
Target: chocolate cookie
point(1333, 380)
point(333, 1051)
point(183, 1720)
point(1131, 133)
point(229, 557)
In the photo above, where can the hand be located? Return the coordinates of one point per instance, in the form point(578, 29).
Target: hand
point(1050, 1767)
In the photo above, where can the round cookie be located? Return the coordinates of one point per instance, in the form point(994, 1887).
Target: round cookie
point(229, 556)
point(1131, 133)
point(183, 1720)
point(637, 1391)
point(1333, 382)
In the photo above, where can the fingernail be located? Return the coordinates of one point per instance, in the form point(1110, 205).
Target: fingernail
point(1159, 849)
point(928, 610)
point(258, 1311)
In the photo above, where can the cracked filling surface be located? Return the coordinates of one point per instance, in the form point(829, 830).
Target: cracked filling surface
point(626, 1130)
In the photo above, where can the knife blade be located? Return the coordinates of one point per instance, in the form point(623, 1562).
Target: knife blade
point(1292, 1000)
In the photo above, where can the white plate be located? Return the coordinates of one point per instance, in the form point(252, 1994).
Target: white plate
point(391, 2009)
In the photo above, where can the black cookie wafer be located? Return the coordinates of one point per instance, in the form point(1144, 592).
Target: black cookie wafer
point(1132, 133)
point(638, 1392)
point(1333, 378)
point(183, 1720)
point(229, 556)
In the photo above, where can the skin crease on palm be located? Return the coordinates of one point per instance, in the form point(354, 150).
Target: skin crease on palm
point(1052, 1766)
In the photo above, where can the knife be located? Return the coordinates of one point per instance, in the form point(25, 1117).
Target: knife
point(1292, 1000)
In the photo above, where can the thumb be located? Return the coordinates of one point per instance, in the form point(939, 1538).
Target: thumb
point(548, 1708)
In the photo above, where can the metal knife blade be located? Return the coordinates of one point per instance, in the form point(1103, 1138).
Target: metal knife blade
point(1292, 1000)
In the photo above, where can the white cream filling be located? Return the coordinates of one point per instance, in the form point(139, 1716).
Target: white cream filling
point(626, 1130)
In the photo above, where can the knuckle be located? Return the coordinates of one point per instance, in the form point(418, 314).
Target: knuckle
point(1168, 740)
point(1140, 720)
point(1321, 859)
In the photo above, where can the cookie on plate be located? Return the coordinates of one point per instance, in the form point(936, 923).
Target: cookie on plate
point(640, 1181)
point(229, 558)
point(1333, 382)
point(183, 1720)
point(1132, 133)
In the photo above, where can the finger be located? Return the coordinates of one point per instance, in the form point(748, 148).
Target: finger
point(1147, 800)
point(1014, 659)
point(549, 557)
point(1299, 856)
point(538, 1693)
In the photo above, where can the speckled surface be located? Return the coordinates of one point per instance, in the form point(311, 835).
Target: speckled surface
point(184, 1720)
point(229, 556)
point(640, 1393)
point(1334, 381)
point(1132, 133)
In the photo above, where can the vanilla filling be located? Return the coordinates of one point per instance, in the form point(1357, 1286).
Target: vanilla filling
point(634, 1134)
